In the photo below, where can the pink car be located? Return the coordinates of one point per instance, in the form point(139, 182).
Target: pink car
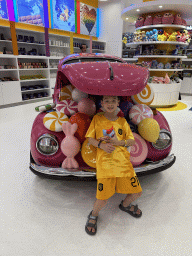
point(95, 74)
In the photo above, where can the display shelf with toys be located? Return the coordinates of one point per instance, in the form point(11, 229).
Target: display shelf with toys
point(5, 41)
point(162, 40)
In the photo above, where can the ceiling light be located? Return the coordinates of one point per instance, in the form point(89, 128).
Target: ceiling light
point(160, 6)
point(138, 10)
point(127, 18)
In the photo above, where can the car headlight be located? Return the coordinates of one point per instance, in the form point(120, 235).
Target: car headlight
point(47, 144)
point(164, 140)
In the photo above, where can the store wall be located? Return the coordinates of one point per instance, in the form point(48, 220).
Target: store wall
point(111, 26)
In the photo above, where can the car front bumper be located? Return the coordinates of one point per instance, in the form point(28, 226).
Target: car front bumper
point(60, 173)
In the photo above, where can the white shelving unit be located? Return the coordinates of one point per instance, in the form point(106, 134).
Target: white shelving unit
point(186, 85)
point(165, 94)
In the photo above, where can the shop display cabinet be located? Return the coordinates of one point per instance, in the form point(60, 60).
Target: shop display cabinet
point(165, 94)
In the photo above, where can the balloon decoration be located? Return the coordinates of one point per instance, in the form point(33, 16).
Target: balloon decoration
point(78, 95)
point(70, 145)
point(140, 112)
point(83, 121)
point(66, 92)
point(87, 106)
point(139, 151)
point(53, 121)
point(144, 97)
point(89, 153)
point(68, 107)
point(149, 129)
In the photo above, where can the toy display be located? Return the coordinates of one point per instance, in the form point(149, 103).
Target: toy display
point(148, 20)
point(28, 65)
point(67, 107)
point(167, 18)
point(157, 19)
point(160, 80)
point(177, 19)
point(70, 145)
point(139, 151)
point(149, 129)
point(154, 64)
point(71, 154)
point(53, 121)
point(32, 77)
point(144, 97)
point(139, 112)
point(139, 22)
point(3, 79)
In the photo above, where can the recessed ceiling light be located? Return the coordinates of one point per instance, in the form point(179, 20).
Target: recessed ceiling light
point(138, 10)
point(127, 18)
point(160, 6)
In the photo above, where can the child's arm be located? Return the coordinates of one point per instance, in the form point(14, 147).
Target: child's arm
point(93, 142)
point(128, 142)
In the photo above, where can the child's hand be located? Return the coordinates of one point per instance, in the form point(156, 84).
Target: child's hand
point(114, 141)
point(105, 138)
point(107, 147)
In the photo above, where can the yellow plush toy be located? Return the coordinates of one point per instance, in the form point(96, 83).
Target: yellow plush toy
point(124, 40)
point(163, 37)
point(172, 37)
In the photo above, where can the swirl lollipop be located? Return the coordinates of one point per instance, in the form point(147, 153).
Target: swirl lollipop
point(144, 97)
point(140, 112)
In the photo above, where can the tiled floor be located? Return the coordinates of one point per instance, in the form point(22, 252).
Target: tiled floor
point(47, 217)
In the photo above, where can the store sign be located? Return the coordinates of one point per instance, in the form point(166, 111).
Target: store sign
point(3, 10)
point(31, 12)
point(63, 14)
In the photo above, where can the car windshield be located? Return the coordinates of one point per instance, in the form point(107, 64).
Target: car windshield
point(75, 60)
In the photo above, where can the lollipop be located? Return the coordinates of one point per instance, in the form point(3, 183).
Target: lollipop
point(53, 121)
point(140, 112)
point(78, 95)
point(139, 151)
point(68, 107)
point(144, 97)
point(66, 92)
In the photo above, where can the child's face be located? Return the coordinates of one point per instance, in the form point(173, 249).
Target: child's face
point(110, 103)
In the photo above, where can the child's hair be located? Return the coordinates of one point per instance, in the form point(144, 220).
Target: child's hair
point(101, 97)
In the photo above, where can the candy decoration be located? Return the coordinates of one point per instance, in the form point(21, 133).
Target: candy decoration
point(149, 129)
point(89, 153)
point(144, 97)
point(70, 146)
point(46, 107)
point(139, 150)
point(66, 92)
point(83, 121)
point(87, 106)
point(140, 112)
point(68, 107)
point(78, 95)
point(53, 121)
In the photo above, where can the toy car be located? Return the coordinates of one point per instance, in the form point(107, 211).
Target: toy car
point(95, 74)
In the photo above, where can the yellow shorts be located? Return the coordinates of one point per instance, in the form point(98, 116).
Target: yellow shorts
point(124, 185)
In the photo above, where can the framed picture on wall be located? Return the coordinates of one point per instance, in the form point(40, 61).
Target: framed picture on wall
point(31, 12)
point(88, 20)
point(63, 14)
point(3, 10)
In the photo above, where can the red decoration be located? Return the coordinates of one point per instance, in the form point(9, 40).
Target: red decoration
point(83, 121)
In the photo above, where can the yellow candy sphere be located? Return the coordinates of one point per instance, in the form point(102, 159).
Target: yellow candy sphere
point(88, 153)
point(149, 129)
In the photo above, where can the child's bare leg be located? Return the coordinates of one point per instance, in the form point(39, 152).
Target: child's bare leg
point(98, 205)
point(131, 198)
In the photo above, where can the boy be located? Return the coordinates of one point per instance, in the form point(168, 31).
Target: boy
point(115, 172)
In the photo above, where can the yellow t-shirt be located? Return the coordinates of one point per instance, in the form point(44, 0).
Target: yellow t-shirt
point(117, 163)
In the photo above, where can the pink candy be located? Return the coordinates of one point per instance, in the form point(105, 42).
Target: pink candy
point(140, 112)
point(68, 107)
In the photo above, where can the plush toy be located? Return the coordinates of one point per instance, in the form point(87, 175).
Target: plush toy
point(147, 35)
point(155, 35)
point(124, 40)
point(176, 51)
point(143, 35)
point(172, 37)
point(177, 19)
point(163, 37)
point(139, 22)
point(160, 65)
point(168, 66)
point(184, 23)
point(154, 64)
point(168, 18)
point(188, 38)
point(160, 32)
point(148, 21)
point(157, 19)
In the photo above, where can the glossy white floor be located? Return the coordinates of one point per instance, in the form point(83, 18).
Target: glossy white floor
point(47, 217)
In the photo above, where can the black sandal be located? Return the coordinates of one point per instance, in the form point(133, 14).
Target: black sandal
point(127, 209)
point(91, 225)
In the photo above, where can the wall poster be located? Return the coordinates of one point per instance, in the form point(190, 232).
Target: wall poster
point(3, 9)
point(88, 20)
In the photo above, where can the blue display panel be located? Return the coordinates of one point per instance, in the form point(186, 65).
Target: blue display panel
point(63, 14)
point(31, 12)
point(3, 9)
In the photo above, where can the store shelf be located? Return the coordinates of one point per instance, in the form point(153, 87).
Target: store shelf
point(35, 69)
point(56, 58)
point(34, 90)
point(6, 41)
point(33, 80)
point(31, 57)
point(29, 43)
point(48, 97)
point(156, 42)
point(130, 59)
point(53, 68)
point(59, 46)
point(186, 69)
point(7, 56)
point(162, 56)
point(13, 69)
point(161, 26)
point(176, 69)
point(187, 59)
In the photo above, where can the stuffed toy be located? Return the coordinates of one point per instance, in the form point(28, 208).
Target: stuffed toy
point(143, 35)
point(176, 51)
point(157, 19)
point(154, 64)
point(172, 37)
point(124, 40)
point(160, 32)
point(188, 38)
point(147, 35)
point(177, 19)
point(155, 35)
point(168, 66)
point(183, 23)
point(151, 35)
point(168, 18)
point(163, 37)
point(139, 22)
point(160, 65)
point(148, 21)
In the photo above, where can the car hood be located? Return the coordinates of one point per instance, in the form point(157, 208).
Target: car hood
point(107, 78)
